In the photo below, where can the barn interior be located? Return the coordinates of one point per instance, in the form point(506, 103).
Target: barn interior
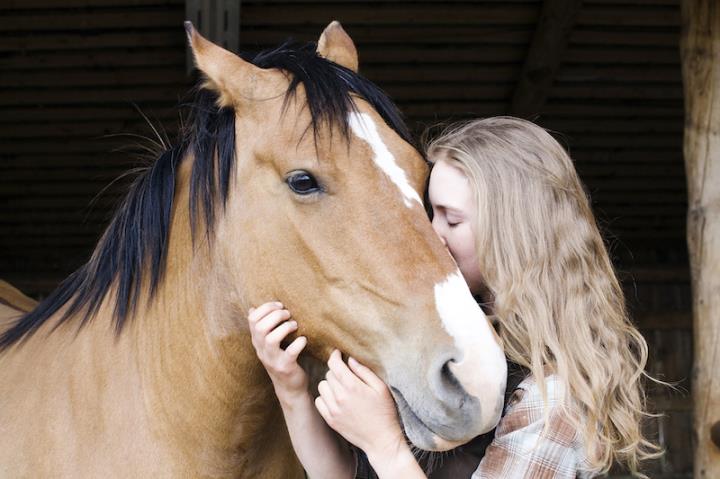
point(79, 77)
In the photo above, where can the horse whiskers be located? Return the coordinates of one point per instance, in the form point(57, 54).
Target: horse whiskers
point(429, 460)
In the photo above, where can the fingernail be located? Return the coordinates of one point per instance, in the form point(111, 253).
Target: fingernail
point(352, 360)
point(278, 304)
point(293, 323)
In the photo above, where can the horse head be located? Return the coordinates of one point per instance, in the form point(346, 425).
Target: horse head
point(329, 188)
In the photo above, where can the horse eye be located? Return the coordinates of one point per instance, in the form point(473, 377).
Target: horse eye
point(303, 183)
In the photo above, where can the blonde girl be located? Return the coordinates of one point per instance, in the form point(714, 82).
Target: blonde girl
point(510, 207)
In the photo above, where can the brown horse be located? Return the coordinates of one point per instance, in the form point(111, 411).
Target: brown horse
point(13, 304)
point(295, 180)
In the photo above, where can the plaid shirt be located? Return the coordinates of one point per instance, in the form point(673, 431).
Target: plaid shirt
point(522, 447)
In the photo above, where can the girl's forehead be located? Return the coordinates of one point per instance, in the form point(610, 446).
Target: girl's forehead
point(449, 186)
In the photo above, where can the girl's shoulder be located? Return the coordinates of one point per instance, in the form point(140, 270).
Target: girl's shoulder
point(537, 436)
point(529, 405)
point(530, 392)
point(537, 432)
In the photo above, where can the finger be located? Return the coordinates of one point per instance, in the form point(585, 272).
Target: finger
point(328, 396)
point(322, 409)
point(271, 321)
point(366, 375)
point(343, 374)
point(262, 310)
point(276, 336)
point(296, 347)
point(335, 385)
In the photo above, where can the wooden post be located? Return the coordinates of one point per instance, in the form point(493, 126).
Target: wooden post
point(700, 52)
point(546, 51)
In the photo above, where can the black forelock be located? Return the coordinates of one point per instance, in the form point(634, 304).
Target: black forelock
point(132, 253)
point(329, 87)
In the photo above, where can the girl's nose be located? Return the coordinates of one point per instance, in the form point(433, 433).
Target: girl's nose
point(436, 226)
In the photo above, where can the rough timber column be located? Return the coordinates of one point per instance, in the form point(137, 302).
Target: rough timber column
point(700, 52)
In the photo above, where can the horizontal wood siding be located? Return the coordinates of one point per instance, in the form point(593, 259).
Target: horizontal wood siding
point(72, 72)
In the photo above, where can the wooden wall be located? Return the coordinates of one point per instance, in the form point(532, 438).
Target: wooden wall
point(69, 76)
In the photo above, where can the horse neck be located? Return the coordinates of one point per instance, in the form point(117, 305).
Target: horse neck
point(204, 387)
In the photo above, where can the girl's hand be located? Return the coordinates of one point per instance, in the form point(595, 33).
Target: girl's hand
point(269, 325)
point(358, 405)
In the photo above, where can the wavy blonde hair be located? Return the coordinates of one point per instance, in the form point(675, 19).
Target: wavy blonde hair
point(558, 303)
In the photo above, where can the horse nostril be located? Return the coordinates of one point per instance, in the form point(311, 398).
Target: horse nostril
point(446, 386)
point(448, 377)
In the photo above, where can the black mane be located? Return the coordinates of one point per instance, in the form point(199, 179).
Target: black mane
point(136, 240)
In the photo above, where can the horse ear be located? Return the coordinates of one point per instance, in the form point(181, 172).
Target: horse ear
point(337, 46)
point(231, 77)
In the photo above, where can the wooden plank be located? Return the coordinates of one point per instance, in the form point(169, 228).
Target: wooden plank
point(623, 140)
point(383, 74)
point(87, 161)
point(700, 49)
point(68, 4)
point(644, 74)
point(583, 109)
point(60, 176)
point(373, 3)
point(81, 203)
point(631, 16)
point(125, 131)
point(352, 14)
point(668, 125)
point(72, 20)
point(592, 109)
point(91, 78)
point(66, 96)
point(650, 235)
point(443, 92)
point(599, 91)
point(628, 156)
point(89, 40)
point(632, 184)
point(448, 109)
point(602, 37)
point(99, 147)
point(617, 3)
point(604, 199)
point(362, 35)
point(582, 55)
point(51, 230)
point(61, 113)
point(372, 54)
point(148, 57)
point(545, 53)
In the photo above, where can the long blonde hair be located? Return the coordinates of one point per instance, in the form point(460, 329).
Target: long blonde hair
point(556, 297)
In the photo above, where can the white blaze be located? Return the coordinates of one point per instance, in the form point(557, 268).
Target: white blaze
point(364, 127)
point(482, 368)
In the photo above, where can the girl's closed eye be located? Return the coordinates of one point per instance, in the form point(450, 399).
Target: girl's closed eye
point(453, 220)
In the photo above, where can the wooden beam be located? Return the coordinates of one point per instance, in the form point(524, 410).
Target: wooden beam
point(544, 56)
point(700, 50)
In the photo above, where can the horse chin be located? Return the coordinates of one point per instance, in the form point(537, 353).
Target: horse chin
point(417, 431)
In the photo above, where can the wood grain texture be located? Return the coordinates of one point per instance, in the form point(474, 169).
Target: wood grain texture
point(700, 49)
